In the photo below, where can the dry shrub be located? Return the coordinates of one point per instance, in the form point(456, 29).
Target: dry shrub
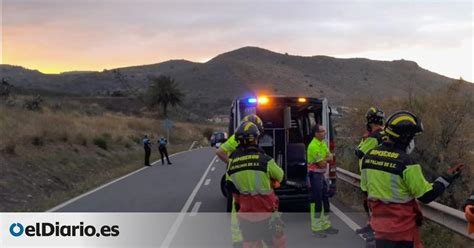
point(207, 133)
point(448, 118)
point(136, 124)
point(81, 139)
point(49, 127)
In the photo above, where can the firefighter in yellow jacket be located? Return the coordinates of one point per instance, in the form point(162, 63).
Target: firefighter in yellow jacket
point(249, 175)
point(394, 181)
point(372, 138)
point(224, 151)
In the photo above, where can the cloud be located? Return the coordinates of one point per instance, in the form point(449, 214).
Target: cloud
point(161, 30)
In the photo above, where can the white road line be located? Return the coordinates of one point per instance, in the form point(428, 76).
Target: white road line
point(92, 191)
point(192, 145)
point(195, 209)
point(207, 182)
point(174, 229)
point(354, 226)
point(105, 185)
point(213, 168)
point(217, 161)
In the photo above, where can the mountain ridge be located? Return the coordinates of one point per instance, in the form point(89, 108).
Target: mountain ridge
point(250, 69)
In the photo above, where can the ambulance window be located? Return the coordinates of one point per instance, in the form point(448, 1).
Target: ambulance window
point(271, 117)
point(312, 119)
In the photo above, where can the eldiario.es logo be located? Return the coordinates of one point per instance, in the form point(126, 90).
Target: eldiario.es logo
point(46, 229)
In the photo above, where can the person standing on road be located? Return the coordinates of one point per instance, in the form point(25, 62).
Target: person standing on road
point(224, 151)
point(147, 147)
point(249, 175)
point(162, 143)
point(393, 182)
point(371, 139)
point(318, 156)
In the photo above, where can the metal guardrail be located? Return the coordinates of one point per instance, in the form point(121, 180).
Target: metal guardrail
point(448, 217)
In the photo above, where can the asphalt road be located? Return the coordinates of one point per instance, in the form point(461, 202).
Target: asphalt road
point(189, 190)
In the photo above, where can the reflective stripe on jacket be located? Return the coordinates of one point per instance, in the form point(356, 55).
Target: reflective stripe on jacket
point(391, 176)
point(317, 152)
point(251, 172)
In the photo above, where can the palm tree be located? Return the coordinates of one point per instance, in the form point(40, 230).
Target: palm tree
point(163, 91)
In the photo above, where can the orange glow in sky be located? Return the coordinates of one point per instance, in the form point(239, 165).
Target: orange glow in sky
point(83, 35)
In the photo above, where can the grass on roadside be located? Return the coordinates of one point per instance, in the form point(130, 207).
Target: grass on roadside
point(47, 157)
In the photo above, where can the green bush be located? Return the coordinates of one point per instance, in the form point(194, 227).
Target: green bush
point(101, 142)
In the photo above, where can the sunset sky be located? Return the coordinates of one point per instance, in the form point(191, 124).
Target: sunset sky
point(64, 35)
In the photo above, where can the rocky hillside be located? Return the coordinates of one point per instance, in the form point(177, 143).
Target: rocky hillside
point(250, 69)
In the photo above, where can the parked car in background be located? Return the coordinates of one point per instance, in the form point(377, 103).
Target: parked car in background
point(217, 138)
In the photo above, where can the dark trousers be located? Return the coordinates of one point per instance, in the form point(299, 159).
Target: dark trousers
point(393, 244)
point(319, 191)
point(164, 153)
point(147, 155)
point(229, 200)
point(366, 206)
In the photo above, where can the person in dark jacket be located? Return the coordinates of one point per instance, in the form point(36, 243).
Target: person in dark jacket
point(162, 143)
point(147, 147)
